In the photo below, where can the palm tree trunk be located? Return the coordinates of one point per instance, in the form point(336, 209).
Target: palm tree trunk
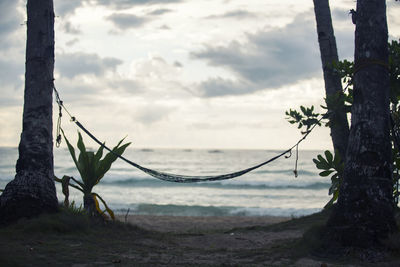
point(327, 44)
point(33, 191)
point(365, 213)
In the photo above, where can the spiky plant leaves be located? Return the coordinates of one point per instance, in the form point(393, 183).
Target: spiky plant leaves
point(92, 168)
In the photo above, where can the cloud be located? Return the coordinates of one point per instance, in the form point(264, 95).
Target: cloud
point(64, 8)
point(159, 12)
point(10, 21)
point(126, 86)
point(71, 29)
point(126, 21)
point(341, 14)
point(220, 87)
point(74, 64)
point(178, 64)
point(11, 73)
point(267, 59)
point(164, 27)
point(151, 114)
point(235, 14)
point(124, 4)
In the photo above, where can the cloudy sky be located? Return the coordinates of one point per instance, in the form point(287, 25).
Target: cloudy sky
point(180, 73)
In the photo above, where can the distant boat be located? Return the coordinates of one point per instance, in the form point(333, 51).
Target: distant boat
point(215, 151)
point(147, 150)
point(187, 150)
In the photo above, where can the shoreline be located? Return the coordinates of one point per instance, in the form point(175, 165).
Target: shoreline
point(165, 223)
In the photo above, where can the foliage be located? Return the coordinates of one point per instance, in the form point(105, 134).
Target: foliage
point(331, 165)
point(306, 118)
point(74, 208)
point(92, 168)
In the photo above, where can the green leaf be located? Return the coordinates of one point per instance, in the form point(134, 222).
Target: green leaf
point(105, 164)
point(321, 159)
point(99, 154)
point(71, 150)
point(83, 161)
point(323, 164)
point(325, 173)
point(329, 157)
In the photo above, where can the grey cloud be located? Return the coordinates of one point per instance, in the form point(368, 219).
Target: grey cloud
point(159, 12)
point(178, 64)
point(123, 4)
point(126, 21)
point(164, 27)
point(10, 20)
point(219, 87)
point(66, 7)
point(341, 14)
point(10, 73)
point(71, 29)
point(344, 32)
point(11, 101)
point(235, 14)
point(71, 65)
point(268, 59)
point(154, 113)
point(345, 43)
point(126, 86)
point(72, 42)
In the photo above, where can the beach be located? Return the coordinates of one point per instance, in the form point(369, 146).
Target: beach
point(218, 240)
point(192, 224)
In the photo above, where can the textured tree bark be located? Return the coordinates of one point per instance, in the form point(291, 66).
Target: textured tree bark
point(327, 45)
point(33, 191)
point(365, 212)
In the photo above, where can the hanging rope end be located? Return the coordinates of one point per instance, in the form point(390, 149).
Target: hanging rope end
point(58, 141)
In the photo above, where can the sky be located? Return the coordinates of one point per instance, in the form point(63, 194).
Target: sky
point(180, 73)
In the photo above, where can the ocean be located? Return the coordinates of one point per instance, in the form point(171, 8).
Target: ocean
point(270, 190)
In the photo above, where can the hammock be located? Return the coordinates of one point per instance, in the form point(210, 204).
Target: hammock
point(178, 178)
point(170, 177)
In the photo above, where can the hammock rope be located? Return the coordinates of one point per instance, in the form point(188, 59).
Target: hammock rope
point(170, 177)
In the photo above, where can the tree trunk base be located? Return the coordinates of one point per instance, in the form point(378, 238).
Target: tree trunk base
point(345, 237)
point(27, 196)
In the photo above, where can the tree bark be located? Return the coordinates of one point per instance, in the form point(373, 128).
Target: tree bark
point(365, 212)
point(33, 191)
point(327, 45)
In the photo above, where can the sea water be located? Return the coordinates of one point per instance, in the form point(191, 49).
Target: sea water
point(270, 190)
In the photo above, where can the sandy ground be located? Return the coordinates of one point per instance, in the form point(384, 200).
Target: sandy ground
point(217, 241)
point(183, 224)
point(221, 241)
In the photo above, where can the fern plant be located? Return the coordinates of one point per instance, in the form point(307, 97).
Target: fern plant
point(92, 168)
